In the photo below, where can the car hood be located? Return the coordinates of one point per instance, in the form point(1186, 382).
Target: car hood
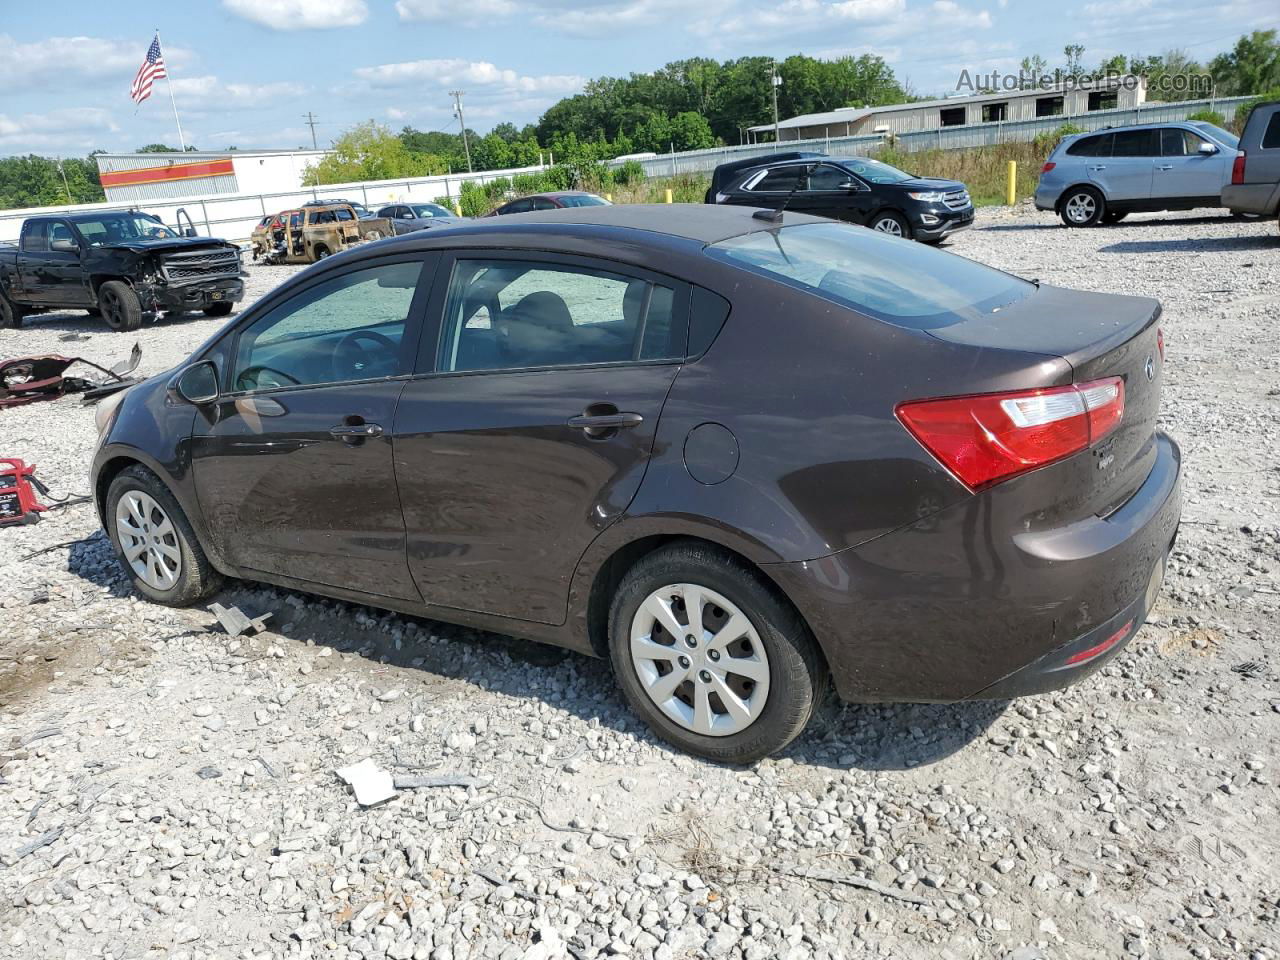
point(928, 183)
point(162, 245)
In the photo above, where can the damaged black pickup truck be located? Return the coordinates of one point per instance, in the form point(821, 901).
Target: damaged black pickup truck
point(126, 267)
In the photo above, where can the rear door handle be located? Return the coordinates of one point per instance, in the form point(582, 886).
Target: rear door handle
point(356, 431)
point(1165, 166)
point(605, 421)
point(1102, 167)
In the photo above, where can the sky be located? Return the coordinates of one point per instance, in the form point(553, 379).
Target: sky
point(245, 72)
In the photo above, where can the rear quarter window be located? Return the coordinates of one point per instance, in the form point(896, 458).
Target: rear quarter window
point(1271, 136)
point(897, 281)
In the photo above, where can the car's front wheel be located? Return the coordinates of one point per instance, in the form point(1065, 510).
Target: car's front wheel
point(892, 224)
point(154, 541)
point(711, 657)
point(10, 313)
point(119, 305)
point(1082, 207)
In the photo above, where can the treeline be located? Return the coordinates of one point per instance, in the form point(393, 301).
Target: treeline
point(33, 181)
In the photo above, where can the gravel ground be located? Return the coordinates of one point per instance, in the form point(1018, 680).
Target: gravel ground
point(170, 791)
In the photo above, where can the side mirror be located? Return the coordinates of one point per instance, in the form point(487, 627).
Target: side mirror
point(406, 216)
point(189, 232)
point(64, 246)
point(198, 383)
point(850, 185)
point(1208, 149)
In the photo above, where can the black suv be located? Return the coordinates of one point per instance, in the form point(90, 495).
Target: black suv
point(857, 189)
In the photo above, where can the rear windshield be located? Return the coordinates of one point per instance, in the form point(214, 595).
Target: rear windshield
point(898, 281)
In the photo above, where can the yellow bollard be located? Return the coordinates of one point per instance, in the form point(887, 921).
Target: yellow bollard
point(1011, 190)
point(670, 196)
point(457, 208)
point(609, 197)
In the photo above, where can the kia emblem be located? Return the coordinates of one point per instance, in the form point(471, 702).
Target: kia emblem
point(1151, 367)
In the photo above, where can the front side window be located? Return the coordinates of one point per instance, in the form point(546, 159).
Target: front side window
point(906, 284)
point(828, 178)
point(512, 314)
point(425, 211)
point(35, 237)
point(1176, 142)
point(347, 328)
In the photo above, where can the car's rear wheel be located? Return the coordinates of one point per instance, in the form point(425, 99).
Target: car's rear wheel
point(218, 309)
point(119, 305)
point(1082, 207)
point(1114, 216)
point(892, 224)
point(709, 655)
point(321, 251)
point(154, 541)
point(10, 314)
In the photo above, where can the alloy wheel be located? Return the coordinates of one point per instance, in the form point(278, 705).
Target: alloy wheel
point(1081, 208)
point(699, 659)
point(112, 309)
point(148, 540)
point(889, 225)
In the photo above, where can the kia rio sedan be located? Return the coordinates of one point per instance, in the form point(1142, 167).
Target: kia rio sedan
point(744, 459)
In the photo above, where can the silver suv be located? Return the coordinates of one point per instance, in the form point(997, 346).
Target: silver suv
point(1255, 174)
point(1101, 177)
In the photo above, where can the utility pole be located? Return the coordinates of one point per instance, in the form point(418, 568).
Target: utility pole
point(457, 110)
point(311, 122)
point(775, 81)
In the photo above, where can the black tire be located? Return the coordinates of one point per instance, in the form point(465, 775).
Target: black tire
point(219, 309)
point(196, 579)
point(1082, 207)
point(798, 676)
point(10, 314)
point(320, 251)
point(119, 306)
point(1114, 216)
point(891, 223)
point(1241, 215)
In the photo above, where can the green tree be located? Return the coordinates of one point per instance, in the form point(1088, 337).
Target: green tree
point(370, 151)
point(1250, 67)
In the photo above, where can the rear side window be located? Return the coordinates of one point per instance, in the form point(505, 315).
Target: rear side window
point(1099, 146)
point(1271, 137)
point(1136, 143)
point(900, 282)
point(514, 314)
point(784, 178)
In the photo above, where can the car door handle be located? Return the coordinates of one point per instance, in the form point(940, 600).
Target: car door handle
point(1101, 167)
point(1165, 166)
point(356, 431)
point(605, 421)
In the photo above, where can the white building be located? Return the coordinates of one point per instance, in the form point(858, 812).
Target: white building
point(146, 177)
point(1113, 93)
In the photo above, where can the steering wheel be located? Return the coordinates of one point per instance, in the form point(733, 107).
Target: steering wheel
point(354, 361)
point(250, 378)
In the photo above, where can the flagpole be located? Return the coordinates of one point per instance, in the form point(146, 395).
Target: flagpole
point(168, 78)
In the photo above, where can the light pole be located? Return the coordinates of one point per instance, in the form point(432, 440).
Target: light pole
point(457, 109)
point(775, 81)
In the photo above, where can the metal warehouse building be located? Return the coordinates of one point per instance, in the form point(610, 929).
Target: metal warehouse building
point(145, 177)
point(1114, 93)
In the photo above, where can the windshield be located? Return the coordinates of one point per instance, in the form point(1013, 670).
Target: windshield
point(1224, 137)
point(898, 281)
point(583, 200)
point(874, 171)
point(423, 210)
point(118, 227)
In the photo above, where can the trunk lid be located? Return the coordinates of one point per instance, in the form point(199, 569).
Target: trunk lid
point(1099, 335)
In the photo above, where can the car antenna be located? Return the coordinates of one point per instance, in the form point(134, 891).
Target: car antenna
point(775, 216)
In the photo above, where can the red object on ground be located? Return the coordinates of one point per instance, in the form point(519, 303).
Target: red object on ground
point(18, 485)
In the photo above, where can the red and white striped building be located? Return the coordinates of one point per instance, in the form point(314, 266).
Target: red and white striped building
point(145, 177)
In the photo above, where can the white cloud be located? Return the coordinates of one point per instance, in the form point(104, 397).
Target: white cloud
point(59, 61)
point(71, 127)
point(210, 92)
point(300, 14)
point(469, 13)
point(445, 73)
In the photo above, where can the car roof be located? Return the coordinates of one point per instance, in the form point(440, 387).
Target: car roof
point(654, 224)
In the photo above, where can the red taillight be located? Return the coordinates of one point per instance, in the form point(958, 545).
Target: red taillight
point(1160, 342)
point(1049, 165)
point(1096, 651)
point(991, 437)
point(1237, 168)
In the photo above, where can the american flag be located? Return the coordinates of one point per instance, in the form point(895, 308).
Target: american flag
point(152, 69)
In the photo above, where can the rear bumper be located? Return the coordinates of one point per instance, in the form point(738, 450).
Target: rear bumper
point(1046, 197)
point(1259, 198)
point(950, 609)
